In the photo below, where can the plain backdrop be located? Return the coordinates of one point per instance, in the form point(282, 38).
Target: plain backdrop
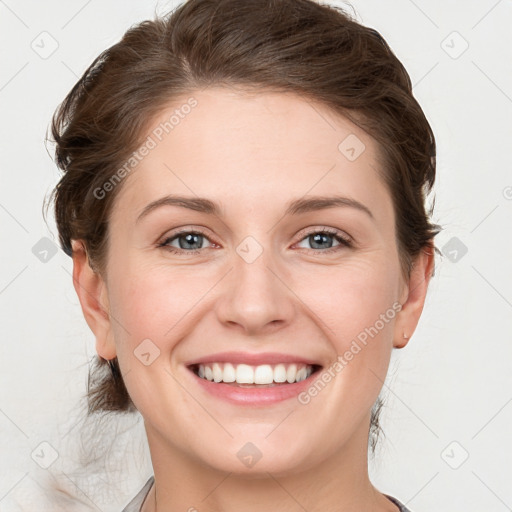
point(447, 421)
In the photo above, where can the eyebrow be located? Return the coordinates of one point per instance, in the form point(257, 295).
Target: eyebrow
point(296, 207)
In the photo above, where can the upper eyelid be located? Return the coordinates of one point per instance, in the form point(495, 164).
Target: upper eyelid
point(330, 231)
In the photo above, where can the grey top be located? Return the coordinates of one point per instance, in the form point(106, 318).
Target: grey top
point(400, 506)
point(136, 504)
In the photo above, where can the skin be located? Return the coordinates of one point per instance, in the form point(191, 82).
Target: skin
point(252, 153)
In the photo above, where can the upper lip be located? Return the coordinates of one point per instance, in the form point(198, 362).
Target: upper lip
point(253, 359)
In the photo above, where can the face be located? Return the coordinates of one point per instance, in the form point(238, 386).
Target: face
point(258, 283)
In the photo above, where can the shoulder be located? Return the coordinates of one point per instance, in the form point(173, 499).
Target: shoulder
point(136, 503)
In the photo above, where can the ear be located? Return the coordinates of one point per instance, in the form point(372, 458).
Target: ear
point(93, 295)
point(413, 297)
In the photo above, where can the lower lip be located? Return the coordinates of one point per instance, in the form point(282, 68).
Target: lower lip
point(254, 395)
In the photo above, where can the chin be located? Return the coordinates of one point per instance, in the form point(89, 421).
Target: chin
point(257, 458)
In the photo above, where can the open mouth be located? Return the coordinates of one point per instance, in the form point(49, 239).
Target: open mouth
point(250, 376)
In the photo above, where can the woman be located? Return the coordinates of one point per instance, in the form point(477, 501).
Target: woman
point(244, 201)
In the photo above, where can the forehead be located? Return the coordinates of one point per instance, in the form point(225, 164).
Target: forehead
point(253, 151)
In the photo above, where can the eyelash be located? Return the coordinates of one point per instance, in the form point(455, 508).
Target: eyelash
point(344, 241)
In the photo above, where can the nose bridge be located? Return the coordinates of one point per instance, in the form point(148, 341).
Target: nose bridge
point(254, 296)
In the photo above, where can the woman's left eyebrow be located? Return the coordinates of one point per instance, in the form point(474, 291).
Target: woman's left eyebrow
point(295, 207)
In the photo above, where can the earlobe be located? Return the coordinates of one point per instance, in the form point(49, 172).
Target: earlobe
point(92, 294)
point(414, 300)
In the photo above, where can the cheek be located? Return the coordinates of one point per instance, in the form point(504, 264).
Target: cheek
point(147, 303)
point(359, 312)
point(358, 308)
point(351, 297)
point(158, 301)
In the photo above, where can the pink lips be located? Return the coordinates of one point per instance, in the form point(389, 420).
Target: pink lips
point(254, 396)
point(257, 395)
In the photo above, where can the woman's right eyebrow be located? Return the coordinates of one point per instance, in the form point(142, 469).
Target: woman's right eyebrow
point(198, 204)
point(294, 207)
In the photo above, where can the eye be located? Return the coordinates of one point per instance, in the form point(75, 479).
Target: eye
point(189, 241)
point(320, 240)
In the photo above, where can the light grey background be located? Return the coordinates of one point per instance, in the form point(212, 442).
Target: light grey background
point(448, 393)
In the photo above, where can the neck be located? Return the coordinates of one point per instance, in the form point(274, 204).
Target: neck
point(340, 483)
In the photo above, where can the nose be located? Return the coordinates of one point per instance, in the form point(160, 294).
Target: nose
point(256, 298)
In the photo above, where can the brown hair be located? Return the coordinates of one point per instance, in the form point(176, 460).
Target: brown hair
point(317, 51)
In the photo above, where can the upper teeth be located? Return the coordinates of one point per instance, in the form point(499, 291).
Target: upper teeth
point(246, 374)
